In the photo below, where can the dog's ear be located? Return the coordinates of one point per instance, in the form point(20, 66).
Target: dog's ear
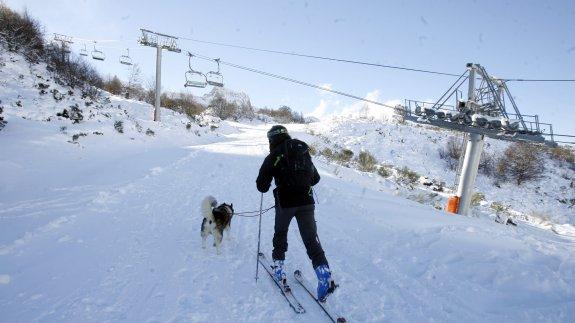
point(232, 206)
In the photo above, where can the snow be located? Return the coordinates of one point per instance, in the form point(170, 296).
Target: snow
point(416, 147)
point(107, 228)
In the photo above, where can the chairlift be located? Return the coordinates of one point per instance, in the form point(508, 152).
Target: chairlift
point(195, 78)
point(215, 78)
point(98, 54)
point(125, 59)
point(83, 51)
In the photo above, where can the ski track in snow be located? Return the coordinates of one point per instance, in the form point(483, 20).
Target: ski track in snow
point(132, 252)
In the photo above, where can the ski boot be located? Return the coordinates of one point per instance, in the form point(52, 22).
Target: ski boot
point(279, 274)
point(325, 285)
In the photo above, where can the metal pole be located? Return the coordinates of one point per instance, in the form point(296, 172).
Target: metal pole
point(158, 82)
point(469, 172)
point(472, 156)
point(259, 237)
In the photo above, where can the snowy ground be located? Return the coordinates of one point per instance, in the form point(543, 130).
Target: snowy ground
point(117, 239)
point(106, 229)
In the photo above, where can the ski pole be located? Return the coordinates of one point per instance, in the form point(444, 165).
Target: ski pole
point(259, 237)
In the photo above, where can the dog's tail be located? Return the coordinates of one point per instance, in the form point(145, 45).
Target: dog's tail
point(208, 203)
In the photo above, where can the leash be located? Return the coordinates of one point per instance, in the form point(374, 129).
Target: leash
point(253, 214)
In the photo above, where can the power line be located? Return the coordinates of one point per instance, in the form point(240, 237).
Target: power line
point(341, 60)
point(294, 81)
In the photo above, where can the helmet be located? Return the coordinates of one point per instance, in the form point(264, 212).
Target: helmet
point(275, 131)
point(277, 134)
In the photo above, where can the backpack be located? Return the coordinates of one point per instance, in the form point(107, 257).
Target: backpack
point(297, 168)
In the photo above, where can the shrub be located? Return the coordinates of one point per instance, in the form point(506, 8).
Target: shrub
point(451, 152)
point(366, 161)
point(477, 198)
point(119, 126)
point(408, 176)
point(521, 162)
point(224, 109)
point(283, 115)
point(384, 171)
point(312, 150)
point(499, 208)
point(327, 152)
point(21, 33)
point(562, 153)
point(487, 163)
point(150, 132)
point(344, 156)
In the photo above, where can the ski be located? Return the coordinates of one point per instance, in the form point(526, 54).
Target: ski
point(324, 306)
point(284, 288)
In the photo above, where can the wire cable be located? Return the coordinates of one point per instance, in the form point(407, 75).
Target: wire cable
point(294, 81)
point(341, 60)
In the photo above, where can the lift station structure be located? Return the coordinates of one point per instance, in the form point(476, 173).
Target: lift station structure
point(489, 110)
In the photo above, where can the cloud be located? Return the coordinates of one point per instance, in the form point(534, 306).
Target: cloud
point(327, 86)
point(319, 111)
point(359, 109)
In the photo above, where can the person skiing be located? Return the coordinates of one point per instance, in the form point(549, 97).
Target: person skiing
point(289, 163)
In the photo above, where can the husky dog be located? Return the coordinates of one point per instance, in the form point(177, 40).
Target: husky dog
point(216, 220)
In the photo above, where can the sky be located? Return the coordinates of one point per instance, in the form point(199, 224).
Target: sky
point(512, 39)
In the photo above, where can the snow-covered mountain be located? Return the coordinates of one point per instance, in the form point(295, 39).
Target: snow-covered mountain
point(103, 225)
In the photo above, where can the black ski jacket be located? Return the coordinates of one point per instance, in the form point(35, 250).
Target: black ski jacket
point(284, 196)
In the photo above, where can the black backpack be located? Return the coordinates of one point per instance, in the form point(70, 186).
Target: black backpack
point(297, 167)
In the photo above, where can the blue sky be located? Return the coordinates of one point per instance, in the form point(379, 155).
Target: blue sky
point(512, 39)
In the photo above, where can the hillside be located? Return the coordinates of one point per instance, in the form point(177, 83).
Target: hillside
point(104, 227)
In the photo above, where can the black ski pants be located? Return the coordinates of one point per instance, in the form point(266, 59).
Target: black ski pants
point(307, 228)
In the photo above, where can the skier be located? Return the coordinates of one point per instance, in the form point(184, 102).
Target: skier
point(289, 163)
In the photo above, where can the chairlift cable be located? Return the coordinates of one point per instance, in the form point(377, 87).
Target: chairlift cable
point(341, 60)
point(253, 70)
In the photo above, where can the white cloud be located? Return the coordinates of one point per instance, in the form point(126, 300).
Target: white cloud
point(359, 109)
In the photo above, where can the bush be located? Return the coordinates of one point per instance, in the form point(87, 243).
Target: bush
point(366, 161)
point(283, 115)
point(384, 171)
point(477, 198)
point(119, 126)
point(521, 162)
point(344, 156)
point(487, 163)
point(327, 152)
point(562, 153)
point(114, 85)
point(312, 150)
point(451, 152)
point(229, 110)
point(21, 33)
point(408, 176)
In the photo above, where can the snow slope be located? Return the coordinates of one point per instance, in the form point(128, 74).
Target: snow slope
point(107, 230)
point(416, 147)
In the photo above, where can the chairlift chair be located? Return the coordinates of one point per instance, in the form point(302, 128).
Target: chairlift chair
point(215, 78)
point(195, 78)
point(125, 59)
point(83, 51)
point(98, 54)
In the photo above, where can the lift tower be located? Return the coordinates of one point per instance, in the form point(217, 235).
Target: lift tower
point(159, 41)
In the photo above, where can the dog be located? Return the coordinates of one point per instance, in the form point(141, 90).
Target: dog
point(217, 219)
